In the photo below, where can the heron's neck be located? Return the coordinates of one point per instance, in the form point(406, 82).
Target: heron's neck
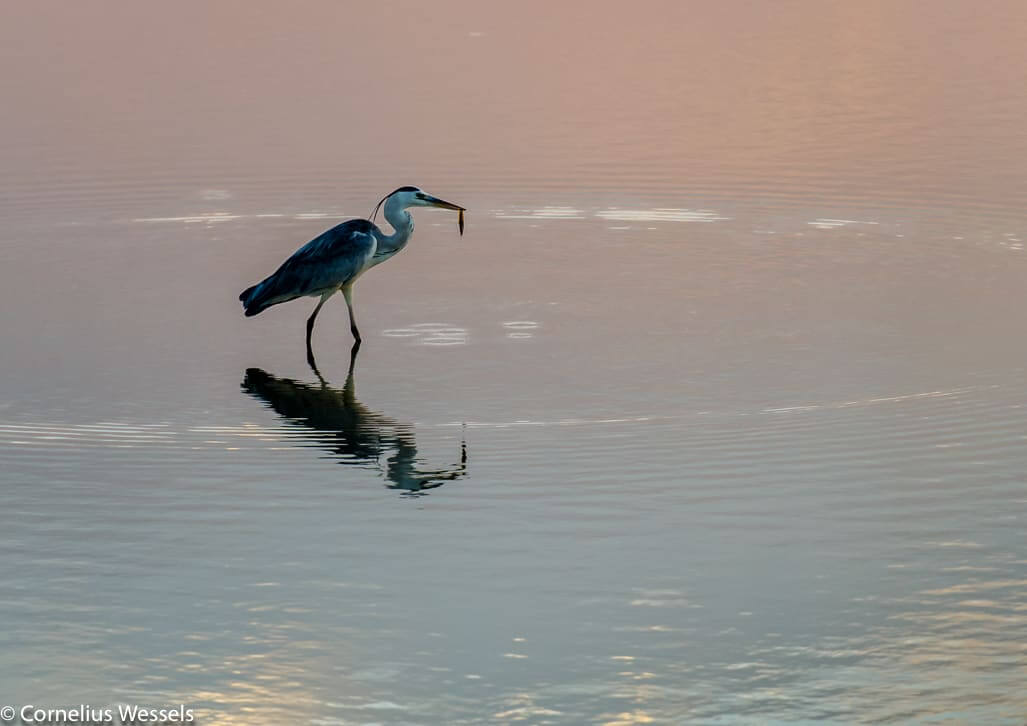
point(401, 222)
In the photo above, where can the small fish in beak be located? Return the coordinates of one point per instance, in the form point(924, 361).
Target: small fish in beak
point(442, 204)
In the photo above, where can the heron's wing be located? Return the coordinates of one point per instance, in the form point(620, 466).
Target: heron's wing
point(325, 263)
point(334, 257)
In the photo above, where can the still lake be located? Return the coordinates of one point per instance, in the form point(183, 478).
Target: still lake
point(716, 413)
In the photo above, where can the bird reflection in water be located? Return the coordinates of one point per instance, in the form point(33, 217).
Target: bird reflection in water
point(350, 430)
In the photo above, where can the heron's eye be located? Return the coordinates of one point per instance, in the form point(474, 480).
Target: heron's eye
point(420, 196)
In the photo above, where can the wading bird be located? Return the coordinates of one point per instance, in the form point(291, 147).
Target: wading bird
point(334, 260)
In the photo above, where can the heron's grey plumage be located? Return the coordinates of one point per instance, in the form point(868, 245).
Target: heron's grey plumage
point(326, 263)
point(333, 260)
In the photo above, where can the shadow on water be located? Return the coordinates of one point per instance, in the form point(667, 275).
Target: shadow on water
point(349, 429)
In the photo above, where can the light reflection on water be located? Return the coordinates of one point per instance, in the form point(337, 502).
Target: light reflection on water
point(716, 413)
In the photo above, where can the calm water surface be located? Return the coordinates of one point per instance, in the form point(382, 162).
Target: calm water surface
point(716, 413)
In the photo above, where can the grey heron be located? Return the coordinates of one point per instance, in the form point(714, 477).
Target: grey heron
point(332, 261)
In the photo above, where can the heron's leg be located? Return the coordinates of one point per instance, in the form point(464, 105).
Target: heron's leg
point(348, 395)
point(353, 359)
point(347, 292)
point(310, 327)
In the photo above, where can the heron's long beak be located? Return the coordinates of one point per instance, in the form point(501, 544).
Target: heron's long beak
point(436, 202)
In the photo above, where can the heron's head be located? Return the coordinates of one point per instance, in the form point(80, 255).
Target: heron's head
point(413, 197)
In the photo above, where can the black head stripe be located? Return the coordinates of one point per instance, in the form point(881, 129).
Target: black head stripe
point(396, 191)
